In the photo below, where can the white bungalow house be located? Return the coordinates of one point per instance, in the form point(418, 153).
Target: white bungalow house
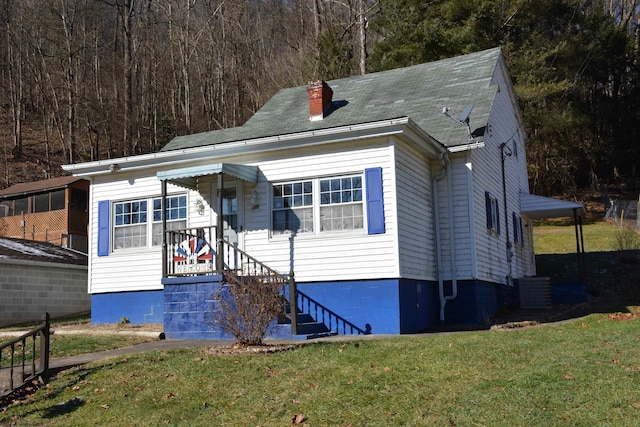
point(397, 200)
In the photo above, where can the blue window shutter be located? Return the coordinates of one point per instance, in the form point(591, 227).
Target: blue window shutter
point(103, 227)
point(521, 231)
point(498, 217)
point(375, 201)
point(516, 239)
point(487, 206)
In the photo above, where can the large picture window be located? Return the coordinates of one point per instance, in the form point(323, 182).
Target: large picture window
point(318, 205)
point(134, 221)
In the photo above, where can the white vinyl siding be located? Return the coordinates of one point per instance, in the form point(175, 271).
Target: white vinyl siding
point(505, 127)
point(416, 236)
point(125, 269)
point(329, 255)
point(463, 245)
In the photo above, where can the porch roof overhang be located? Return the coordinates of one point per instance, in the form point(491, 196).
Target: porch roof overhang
point(540, 207)
point(187, 177)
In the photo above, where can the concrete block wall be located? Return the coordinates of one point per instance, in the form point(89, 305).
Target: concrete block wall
point(28, 289)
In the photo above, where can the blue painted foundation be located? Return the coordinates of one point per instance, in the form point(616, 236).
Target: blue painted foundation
point(476, 301)
point(190, 307)
point(187, 305)
point(139, 307)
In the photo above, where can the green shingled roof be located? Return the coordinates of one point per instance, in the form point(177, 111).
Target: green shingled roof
point(419, 92)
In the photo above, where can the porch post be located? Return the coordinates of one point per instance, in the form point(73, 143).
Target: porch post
point(293, 303)
point(219, 232)
point(163, 214)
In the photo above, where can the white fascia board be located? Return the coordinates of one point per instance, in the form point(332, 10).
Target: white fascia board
point(466, 147)
point(399, 126)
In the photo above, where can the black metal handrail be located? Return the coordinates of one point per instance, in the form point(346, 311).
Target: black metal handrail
point(322, 314)
point(243, 264)
point(25, 365)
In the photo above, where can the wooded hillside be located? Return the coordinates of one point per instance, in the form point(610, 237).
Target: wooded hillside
point(94, 79)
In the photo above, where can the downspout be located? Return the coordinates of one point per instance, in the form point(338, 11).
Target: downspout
point(509, 246)
point(446, 170)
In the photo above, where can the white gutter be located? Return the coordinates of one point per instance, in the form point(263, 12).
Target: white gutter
point(399, 126)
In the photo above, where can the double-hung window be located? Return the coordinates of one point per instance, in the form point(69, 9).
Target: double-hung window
point(130, 224)
point(341, 204)
point(293, 207)
point(176, 208)
point(493, 218)
point(318, 205)
point(518, 236)
point(138, 223)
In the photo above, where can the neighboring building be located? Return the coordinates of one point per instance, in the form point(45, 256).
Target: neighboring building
point(52, 210)
point(396, 199)
point(38, 277)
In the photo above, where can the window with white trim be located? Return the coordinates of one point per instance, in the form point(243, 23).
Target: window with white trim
point(493, 218)
point(132, 222)
point(341, 204)
point(293, 207)
point(176, 208)
point(318, 205)
point(518, 236)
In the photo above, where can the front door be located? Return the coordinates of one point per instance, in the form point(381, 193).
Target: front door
point(231, 212)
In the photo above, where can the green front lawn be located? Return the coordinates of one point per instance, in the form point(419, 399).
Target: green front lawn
point(560, 238)
point(584, 373)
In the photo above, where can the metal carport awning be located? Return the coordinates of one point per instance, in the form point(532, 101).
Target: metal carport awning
point(187, 177)
point(540, 207)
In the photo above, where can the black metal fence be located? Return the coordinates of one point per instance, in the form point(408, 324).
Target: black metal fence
point(25, 358)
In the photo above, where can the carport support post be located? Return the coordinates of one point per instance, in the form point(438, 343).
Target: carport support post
point(219, 231)
point(577, 222)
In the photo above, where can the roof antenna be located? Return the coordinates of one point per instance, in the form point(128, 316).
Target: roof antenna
point(463, 119)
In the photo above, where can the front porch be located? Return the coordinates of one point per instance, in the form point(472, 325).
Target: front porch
point(194, 272)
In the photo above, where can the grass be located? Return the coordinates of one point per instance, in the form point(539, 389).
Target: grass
point(560, 238)
point(71, 345)
point(582, 373)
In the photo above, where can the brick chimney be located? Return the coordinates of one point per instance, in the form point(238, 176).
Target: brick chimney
point(320, 97)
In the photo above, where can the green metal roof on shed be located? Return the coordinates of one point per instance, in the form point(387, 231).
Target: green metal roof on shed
point(419, 92)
